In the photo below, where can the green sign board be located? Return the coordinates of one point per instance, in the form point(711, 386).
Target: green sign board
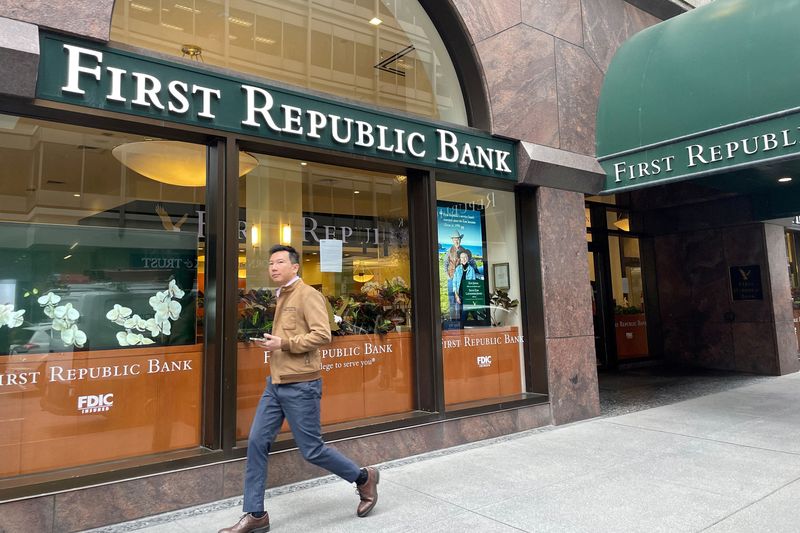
point(88, 74)
point(730, 148)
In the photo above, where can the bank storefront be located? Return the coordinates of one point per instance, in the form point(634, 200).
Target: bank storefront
point(139, 196)
point(697, 131)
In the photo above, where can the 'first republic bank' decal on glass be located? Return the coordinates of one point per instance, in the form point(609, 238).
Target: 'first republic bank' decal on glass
point(91, 75)
point(93, 403)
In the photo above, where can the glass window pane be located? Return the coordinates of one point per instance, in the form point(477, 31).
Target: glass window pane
point(630, 323)
point(792, 238)
point(101, 337)
point(368, 367)
point(482, 344)
point(319, 45)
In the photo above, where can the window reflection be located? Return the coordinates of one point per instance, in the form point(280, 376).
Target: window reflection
point(101, 291)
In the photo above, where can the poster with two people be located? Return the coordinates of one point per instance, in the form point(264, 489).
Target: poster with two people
point(463, 291)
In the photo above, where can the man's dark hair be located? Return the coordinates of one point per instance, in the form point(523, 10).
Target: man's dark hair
point(294, 257)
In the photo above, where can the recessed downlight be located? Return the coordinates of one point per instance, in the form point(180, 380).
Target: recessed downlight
point(785, 179)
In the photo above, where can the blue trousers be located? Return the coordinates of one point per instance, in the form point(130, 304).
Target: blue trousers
point(299, 404)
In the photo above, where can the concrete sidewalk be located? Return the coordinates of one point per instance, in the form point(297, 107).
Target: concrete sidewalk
point(728, 461)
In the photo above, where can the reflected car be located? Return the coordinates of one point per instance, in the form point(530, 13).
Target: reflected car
point(39, 341)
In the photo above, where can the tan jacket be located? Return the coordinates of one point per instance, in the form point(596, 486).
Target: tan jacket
point(302, 323)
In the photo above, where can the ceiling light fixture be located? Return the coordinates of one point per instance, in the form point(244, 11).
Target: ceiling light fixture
point(361, 274)
point(173, 162)
point(375, 21)
point(240, 22)
point(286, 234)
point(172, 26)
point(623, 222)
point(187, 8)
point(254, 240)
point(193, 51)
point(785, 179)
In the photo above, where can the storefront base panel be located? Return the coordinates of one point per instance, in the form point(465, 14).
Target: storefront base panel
point(131, 499)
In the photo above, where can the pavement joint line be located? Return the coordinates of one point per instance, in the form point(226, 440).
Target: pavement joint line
point(707, 439)
point(495, 520)
point(751, 504)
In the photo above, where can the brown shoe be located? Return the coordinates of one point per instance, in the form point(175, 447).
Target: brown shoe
point(368, 492)
point(249, 524)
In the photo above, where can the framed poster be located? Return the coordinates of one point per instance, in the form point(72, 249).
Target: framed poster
point(463, 265)
point(500, 277)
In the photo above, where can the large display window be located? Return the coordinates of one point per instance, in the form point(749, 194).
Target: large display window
point(482, 341)
point(351, 230)
point(100, 297)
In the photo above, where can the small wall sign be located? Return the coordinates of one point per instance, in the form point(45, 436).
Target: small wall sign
point(746, 282)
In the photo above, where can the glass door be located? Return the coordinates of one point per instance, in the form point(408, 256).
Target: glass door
point(627, 293)
point(599, 316)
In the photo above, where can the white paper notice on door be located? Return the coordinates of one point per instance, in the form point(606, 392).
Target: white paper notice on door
point(330, 255)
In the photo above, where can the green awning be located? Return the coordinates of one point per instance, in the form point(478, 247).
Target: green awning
point(714, 90)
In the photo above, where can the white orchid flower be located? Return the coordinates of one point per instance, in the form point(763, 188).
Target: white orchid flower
point(134, 339)
point(169, 309)
point(49, 310)
point(337, 319)
point(159, 298)
point(50, 298)
point(9, 317)
point(133, 322)
point(60, 324)
point(166, 327)
point(67, 312)
point(15, 318)
point(5, 312)
point(152, 326)
point(175, 291)
point(80, 338)
point(119, 312)
point(122, 338)
point(72, 335)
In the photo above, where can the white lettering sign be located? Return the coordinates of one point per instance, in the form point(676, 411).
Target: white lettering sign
point(95, 403)
point(163, 93)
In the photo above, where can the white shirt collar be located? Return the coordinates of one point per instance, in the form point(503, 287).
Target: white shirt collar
point(290, 282)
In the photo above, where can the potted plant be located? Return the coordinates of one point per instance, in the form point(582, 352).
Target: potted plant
point(500, 300)
point(256, 313)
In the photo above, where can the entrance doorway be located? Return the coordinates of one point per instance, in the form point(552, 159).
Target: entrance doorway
point(618, 289)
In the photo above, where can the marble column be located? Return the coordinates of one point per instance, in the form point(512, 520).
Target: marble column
point(569, 331)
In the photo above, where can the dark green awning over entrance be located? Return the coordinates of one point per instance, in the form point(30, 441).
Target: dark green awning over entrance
point(715, 90)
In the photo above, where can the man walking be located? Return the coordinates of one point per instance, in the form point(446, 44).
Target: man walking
point(293, 392)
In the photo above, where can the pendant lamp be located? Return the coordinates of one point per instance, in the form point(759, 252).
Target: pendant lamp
point(173, 162)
